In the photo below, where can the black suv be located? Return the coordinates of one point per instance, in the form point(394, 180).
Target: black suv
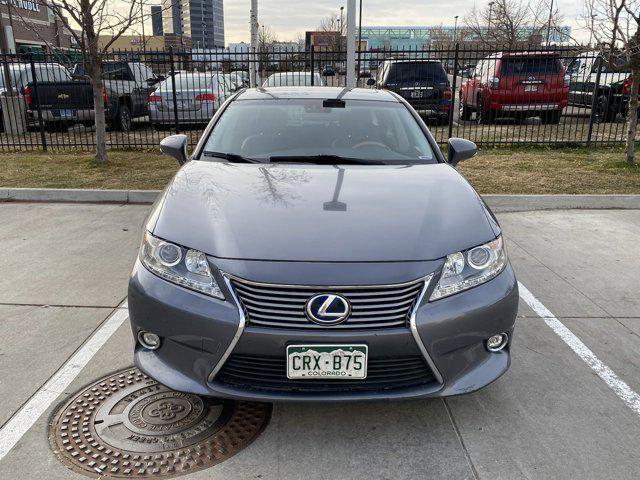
point(423, 83)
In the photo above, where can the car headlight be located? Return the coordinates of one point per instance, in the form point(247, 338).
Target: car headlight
point(185, 267)
point(464, 270)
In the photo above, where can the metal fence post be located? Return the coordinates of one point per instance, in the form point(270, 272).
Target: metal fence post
point(453, 89)
point(312, 64)
point(594, 99)
point(173, 91)
point(43, 138)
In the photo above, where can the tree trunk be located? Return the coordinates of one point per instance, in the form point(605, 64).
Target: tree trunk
point(632, 116)
point(99, 116)
point(100, 122)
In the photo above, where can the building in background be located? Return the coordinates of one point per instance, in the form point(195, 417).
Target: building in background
point(156, 20)
point(202, 21)
point(133, 42)
point(422, 37)
point(35, 27)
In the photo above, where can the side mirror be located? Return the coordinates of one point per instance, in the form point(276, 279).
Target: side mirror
point(175, 146)
point(460, 149)
point(371, 82)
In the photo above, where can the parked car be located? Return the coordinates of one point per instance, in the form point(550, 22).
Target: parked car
point(365, 72)
point(519, 84)
point(422, 83)
point(318, 246)
point(127, 86)
point(293, 79)
point(198, 96)
point(614, 86)
point(328, 71)
point(240, 78)
point(21, 77)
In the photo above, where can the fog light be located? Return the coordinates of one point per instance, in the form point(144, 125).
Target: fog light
point(497, 342)
point(149, 340)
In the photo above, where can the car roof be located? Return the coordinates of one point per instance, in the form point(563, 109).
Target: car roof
point(316, 93)
point(531, 53)
point(408, 60)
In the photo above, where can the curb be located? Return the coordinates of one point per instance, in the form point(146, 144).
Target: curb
point(498, 203)
point(72, 195)
point(521, 203)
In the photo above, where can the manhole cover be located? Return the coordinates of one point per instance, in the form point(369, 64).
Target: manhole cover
point(128, 425)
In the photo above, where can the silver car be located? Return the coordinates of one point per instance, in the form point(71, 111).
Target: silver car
point(293, 79)
point(198, 96)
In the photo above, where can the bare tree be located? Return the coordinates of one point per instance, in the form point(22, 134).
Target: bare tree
point(509, 23)
point(334, 24)
point(615, 26)
point(87, 21)
point(266, 39)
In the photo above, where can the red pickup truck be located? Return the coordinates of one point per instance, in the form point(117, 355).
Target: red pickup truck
point(519, 84)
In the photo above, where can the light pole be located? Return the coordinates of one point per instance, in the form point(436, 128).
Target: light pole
point(490, 10)
point(359, 37)
point(351, 46)
point(340, 32)
point(593, 20)
point(455, 29)
point(253, 61)
point(549, 25)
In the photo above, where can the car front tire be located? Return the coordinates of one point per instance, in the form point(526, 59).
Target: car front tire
point(123, 120)
point(552, 117)
point(464, 112)
point(603, 111)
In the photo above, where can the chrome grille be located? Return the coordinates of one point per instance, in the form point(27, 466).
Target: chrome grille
point(282, 306)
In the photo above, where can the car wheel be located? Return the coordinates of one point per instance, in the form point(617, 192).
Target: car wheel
point(603, 111)
point(483, 117)
point(552, 117)
point(123, 121)
point(464, 112)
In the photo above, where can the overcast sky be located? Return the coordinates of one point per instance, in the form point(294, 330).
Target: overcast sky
point(288, 17)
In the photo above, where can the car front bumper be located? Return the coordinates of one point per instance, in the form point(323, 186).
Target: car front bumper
point(200, 337)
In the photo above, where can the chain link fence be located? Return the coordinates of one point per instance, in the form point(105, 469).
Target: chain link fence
point(523, 96)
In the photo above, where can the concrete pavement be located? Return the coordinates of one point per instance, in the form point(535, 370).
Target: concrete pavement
point(550, 416)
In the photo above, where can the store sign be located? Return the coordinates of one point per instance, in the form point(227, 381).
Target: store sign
point(29, 5)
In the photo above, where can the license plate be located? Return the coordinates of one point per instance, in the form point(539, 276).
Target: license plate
point(324, 362)
point(416, 94)
point(66, 113)
point(530, 88)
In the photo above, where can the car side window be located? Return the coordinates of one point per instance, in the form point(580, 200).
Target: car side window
point(573, 67)
point(116, 71)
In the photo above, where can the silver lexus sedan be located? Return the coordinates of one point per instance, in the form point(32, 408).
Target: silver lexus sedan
point(316, 245)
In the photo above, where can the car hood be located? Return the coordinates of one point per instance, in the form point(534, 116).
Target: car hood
point(322, 213)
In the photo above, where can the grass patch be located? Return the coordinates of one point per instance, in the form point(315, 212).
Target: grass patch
point(127, 169)
point(552, 170)
point(505, 170)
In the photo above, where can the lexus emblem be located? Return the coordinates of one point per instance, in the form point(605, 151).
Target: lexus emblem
point(328, 309)
point(63, 96)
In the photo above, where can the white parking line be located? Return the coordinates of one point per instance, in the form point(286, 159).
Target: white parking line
point(24, 419)
point(619, 386)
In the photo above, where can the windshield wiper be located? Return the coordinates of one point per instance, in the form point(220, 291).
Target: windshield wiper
point(232, 157)
point(325, 159)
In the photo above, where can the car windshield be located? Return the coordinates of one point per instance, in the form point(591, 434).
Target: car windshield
point(416, 71)
point(530, 66)
point(367, 130)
